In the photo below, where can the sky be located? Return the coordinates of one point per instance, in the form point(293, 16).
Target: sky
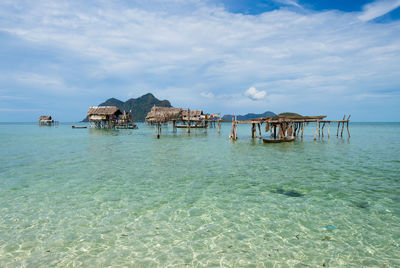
point(229, 56)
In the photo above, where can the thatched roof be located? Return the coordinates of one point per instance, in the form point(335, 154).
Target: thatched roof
point(103, 110)
point(163, 114)
point(194, 113)
point(44, 117)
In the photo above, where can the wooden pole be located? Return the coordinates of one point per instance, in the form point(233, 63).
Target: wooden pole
point(323, 125)
point(316, 130)
point(302, 129)
point(347, 124)
point(219, 126)
point(259, 129)
point(319, 129)
point(235, 128)
point(231, 134)
point(329, 125)
point(341, 134)
point(253, 130)
point(274, 131)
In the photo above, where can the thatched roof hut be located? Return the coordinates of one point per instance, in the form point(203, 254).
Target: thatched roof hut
point(103, 113)
point(45, 118)
point(163, 114)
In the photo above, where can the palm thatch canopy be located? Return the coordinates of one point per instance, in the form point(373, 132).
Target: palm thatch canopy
point(163, 114)
point(103, 110)
point(44, 118)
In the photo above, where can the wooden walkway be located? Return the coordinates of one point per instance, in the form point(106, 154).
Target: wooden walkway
point(290, 126)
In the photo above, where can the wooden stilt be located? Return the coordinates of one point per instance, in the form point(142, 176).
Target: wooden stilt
point(319, 129)
point(253, 130)
point(235, 136)
point(259, 130)
point(219, 126)
point(274, 131)
point(322, 130)
point(231, 134)
point(347, 125)
point(316, 130)
point(329, 125)
point(302, 129)
point(341, 134)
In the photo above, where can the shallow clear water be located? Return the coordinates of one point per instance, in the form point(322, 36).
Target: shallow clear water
point(91, 198)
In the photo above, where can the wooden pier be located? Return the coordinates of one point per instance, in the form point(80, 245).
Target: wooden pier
point(282, 126)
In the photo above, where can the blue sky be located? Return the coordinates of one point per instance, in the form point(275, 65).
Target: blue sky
point(233, 57)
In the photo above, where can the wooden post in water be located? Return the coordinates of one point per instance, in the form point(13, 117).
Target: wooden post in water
point(341, 134)
point(219, 126)
point(319, 129)
point(302, 128)
point(259, 129)
point(253, 130)
point(174, 126)
point(323, 125)
point(347, 124)
point(235, 134)
point(316, 130)
point(329, 125)
point(158, 130)
point(231, 134)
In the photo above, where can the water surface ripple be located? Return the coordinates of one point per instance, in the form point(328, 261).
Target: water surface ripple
point(94, 198)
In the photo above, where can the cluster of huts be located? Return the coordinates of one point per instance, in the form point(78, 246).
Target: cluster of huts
point(282, 127)
point(181, 118)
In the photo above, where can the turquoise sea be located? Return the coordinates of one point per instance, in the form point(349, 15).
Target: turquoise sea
point(122, 198)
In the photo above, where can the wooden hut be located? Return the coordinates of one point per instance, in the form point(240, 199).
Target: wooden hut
point(103, 116)
point(163, 114)
point(45, 120)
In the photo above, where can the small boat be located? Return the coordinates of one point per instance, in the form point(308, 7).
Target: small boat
point(280, 140)
point(78, 127)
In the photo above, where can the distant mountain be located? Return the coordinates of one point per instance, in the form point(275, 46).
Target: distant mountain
point(138, 107)
point(228, 117)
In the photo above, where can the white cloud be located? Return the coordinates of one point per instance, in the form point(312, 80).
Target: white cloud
point(208, 95)
point(378, 8)
point(255, 94)
point(106, 50)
